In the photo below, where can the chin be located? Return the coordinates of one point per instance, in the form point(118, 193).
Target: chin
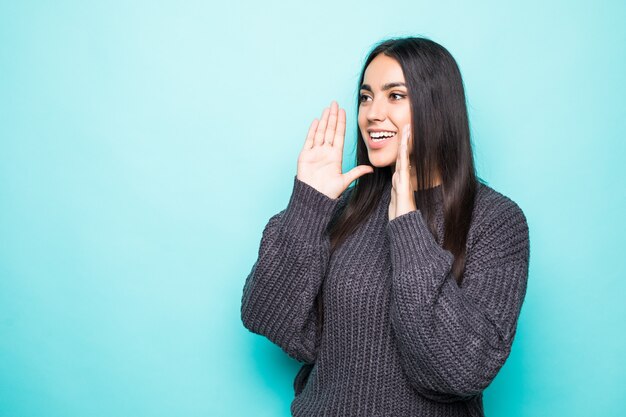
point(381, 161)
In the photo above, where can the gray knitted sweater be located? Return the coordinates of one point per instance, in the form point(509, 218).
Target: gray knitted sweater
point(400, 337)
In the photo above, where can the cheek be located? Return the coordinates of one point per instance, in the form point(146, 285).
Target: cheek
point(391, 152)
point(361, 123)
point(402, 116)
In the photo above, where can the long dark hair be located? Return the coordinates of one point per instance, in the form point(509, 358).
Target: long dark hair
point(441, 143)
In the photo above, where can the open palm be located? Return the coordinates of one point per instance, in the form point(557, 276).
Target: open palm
point(319, 163)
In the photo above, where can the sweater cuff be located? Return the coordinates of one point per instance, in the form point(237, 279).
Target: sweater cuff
point(308, 212)
point(412, 242)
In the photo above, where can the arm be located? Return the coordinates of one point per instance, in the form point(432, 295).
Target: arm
point(279, 293)
point(453, 341)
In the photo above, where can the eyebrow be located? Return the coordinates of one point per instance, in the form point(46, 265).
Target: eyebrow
point(385, 87)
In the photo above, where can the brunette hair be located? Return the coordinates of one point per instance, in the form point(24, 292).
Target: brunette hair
point(441, 143)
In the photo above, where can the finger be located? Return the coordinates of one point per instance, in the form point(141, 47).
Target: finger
point(403, 154)
point(355, 173)
point(340, 131)
point(407, 154)
point(332, 124)
point(399, 154)
point(321, 128)
point(308, 143)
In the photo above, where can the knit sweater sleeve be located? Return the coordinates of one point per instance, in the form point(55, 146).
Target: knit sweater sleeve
point(278, 299)
point(453, 340)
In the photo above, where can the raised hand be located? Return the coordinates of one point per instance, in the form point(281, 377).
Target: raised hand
point(319, 163)
point(402, 200)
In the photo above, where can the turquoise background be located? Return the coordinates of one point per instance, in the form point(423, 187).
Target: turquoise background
point(144, 145)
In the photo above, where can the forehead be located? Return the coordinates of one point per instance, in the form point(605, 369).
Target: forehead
point(381, 70)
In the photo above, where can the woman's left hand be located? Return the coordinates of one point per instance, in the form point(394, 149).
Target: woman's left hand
point(402, 199)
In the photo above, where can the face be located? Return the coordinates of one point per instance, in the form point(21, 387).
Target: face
point(384, 109)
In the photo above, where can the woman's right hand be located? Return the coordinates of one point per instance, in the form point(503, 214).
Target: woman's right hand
point(319, 163)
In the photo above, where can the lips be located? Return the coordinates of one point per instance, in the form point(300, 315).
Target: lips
point(378, 143)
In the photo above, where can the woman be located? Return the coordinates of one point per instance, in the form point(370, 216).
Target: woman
point(401, 294)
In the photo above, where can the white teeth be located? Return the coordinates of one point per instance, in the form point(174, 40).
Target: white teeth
point(382, 134)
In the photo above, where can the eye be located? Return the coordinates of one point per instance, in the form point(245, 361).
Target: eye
point(401, 96)
point(363, 97)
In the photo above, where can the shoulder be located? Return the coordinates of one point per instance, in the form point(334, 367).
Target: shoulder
point(498, 221)
point(492, 206)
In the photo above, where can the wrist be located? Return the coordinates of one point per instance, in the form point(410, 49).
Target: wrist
point(404, 206)
point(403, 211)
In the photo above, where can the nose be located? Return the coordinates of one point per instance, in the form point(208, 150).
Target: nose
point(376, 111)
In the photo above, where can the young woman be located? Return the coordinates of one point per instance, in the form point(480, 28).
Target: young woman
point(401, 294)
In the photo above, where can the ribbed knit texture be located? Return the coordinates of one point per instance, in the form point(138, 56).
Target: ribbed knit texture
point(400, 337)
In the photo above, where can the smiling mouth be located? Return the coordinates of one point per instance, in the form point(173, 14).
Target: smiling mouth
point(381, 138)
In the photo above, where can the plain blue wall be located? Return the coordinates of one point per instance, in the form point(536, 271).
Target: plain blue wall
point(144, 145)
